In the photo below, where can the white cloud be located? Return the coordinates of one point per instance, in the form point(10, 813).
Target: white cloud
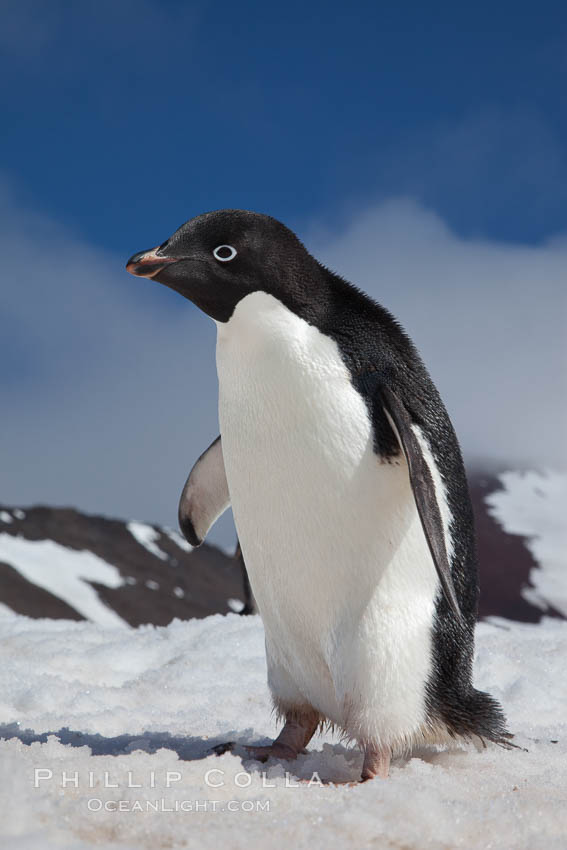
point(109, 382)
point(489, 319)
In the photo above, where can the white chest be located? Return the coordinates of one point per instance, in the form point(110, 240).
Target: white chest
point(329, 533)
point(285, 397)
point(297, 442)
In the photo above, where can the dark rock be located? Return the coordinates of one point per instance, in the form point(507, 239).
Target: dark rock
point(198, 583)
point(183, 585)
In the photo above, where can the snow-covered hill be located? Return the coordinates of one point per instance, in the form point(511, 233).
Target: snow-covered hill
point(61, 563)
point(535, 505)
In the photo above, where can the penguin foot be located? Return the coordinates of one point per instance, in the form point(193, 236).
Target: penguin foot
point(263, 753)
point(376, 763)
point(291, 741)
point(275, 750)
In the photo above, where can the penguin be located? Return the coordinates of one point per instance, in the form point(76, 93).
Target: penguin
point(348, 491)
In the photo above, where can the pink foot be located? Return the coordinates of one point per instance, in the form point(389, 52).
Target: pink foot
point(291, 741)
point(277, 750)
point(376, 763)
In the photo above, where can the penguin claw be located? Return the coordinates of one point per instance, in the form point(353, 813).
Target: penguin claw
point(290, 743)
point(221, 749)
point(275, 750)
point(259, 753)
point(376, 763)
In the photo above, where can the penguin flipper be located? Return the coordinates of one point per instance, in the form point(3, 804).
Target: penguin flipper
point(424, 491)
point(205, 495)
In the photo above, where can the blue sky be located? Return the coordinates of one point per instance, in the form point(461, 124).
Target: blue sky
point(439, 124)
point(124, 118)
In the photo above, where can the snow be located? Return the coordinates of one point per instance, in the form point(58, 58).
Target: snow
point(6, 517)
point(178, 539)
point(108, 735)
point(146, 536)
point(65, 573)
point(126, 707)
point(534, 505)
point(19, 513)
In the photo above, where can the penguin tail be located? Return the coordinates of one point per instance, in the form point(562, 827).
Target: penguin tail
point(479, 715)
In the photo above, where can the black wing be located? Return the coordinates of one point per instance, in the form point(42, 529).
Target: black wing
point(424, 492)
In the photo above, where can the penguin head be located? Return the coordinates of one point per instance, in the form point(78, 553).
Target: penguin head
point(218, 258)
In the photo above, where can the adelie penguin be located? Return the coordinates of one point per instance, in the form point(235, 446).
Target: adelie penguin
point(348, 491)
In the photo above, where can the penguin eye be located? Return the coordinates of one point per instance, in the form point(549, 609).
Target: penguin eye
point(224, 253)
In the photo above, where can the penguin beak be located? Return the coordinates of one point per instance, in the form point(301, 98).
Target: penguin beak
point(148, 263)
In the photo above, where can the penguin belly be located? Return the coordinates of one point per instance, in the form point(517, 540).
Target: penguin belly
point(335, 551)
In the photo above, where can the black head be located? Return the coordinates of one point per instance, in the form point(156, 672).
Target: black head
point(218, 258)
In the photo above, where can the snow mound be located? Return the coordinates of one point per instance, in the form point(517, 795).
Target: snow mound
point(124, 722)
point(534, 504)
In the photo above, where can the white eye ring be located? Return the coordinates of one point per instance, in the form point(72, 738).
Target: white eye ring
point(233, 253)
